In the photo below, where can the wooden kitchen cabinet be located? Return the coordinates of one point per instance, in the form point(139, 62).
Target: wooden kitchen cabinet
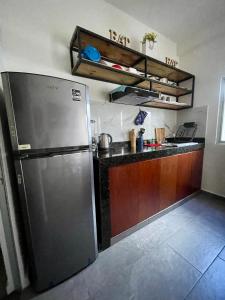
point(189, 173)
point(141, 189)
point(184, 168)
point(168, 181)
point(134, 193)
point(123, 197)
point(148, 192)
point(196, 170)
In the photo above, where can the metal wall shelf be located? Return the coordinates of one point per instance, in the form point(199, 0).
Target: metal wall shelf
point(119, 54)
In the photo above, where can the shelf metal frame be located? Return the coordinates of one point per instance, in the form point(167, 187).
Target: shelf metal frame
point(76, 46)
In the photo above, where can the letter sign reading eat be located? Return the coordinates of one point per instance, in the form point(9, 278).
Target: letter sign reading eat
point(119, 38)
point(171, 62)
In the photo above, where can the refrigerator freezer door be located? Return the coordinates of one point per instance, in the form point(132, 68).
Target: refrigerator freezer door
point(57, 199)
point(45, 112)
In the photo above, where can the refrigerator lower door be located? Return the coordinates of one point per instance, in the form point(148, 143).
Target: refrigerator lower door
point(57, 200)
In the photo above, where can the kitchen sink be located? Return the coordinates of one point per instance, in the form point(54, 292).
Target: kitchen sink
point(179, 144)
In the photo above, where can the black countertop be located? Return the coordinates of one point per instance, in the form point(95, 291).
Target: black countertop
point(121, 153)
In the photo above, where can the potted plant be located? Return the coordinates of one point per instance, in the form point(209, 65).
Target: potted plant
point(148, 39)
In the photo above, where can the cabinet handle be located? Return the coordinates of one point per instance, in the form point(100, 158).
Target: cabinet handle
point(19, 179)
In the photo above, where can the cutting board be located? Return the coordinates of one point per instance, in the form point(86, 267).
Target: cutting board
point(160, 134)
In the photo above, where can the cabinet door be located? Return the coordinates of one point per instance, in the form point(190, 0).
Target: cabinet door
point(123, 197)
point(168, 178)
point(134, 193)
point(148, 188)
point(184, 172)
point(196, 176)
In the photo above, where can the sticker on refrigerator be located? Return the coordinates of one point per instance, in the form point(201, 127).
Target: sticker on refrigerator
point(24, 147)
point(76, 95)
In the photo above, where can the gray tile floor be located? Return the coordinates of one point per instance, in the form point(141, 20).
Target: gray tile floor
point(180, 255)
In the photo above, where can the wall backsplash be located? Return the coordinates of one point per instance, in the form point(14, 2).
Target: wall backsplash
point(197, 114)
point(118, 119)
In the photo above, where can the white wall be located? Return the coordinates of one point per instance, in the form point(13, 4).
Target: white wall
point(205, 56)
point(35, 37)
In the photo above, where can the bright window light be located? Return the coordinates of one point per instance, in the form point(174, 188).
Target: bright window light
point(221, 123)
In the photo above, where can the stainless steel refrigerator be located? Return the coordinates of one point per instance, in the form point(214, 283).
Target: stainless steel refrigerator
point(50, 135)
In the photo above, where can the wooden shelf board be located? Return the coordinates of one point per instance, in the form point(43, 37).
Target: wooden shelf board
point(166, 105)
point(161, 69)
point(109, 50)
point(164, 88)
point(97, 71)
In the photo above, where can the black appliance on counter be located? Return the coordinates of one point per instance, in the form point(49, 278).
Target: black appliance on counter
point(184, 136)
point(49, 127)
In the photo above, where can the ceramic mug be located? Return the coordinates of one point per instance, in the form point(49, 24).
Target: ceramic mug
point(164, 80)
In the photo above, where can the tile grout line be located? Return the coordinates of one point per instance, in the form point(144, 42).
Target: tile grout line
point(185, 259)
point(220, 252)
point(221, 258)
point(193, 267)
point(203, 274)
point(194, 286)
point(178, 230)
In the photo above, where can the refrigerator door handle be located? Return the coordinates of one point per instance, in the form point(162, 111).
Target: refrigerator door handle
point(19, 179)
point(53, 154)
point(34, 154)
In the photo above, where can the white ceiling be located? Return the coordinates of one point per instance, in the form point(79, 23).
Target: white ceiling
point(179, 20)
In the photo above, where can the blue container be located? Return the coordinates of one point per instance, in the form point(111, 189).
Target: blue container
point(91, 53)
point(140, 143)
